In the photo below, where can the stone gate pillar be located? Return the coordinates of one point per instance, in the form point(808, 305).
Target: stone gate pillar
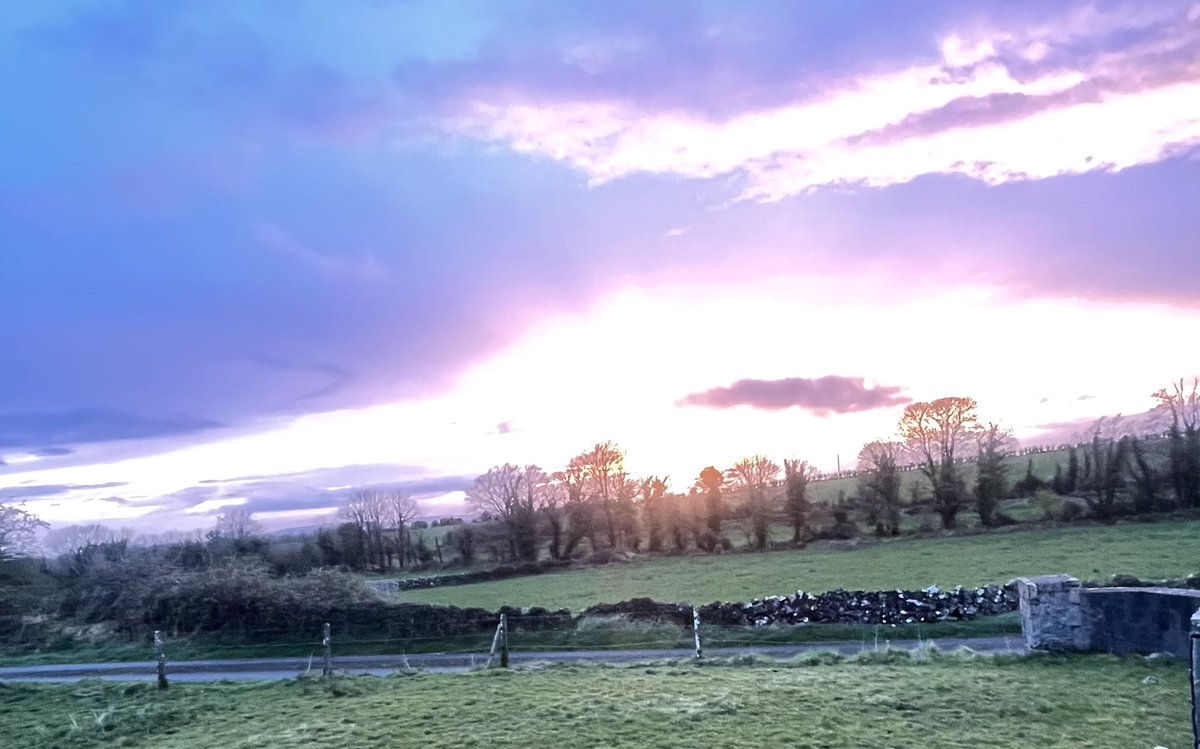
point(1052, 613)
point(1196, 679)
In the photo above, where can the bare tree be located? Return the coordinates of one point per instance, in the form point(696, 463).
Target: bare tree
point(755, 474)
point(367, 511)
point(399, 509)
point(79, 545)
point(510, 494)
point(237, 523)
point(18, 531)
point(939, 433)
point(879, 484)
point(797, 474)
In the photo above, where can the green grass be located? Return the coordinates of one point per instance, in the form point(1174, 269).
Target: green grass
point(1150, 550)
point(883, 699)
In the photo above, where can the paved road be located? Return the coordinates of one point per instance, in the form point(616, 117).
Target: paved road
point(382, 665)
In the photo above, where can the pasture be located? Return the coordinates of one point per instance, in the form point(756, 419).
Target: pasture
point(1148, 550)
point(879, 699)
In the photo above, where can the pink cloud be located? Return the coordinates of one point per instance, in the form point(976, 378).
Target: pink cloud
point(1091, 90)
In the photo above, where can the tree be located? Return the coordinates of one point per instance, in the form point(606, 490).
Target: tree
point(398, 511)
point(711, 482)
point(1183, 439)
point(578, 508)
point(796, 475)
point(993, 445)
point(367, 509)
point(237, 523)
point(755, 474)
point(551, 503)
point(537, 489)
point(938, 433)
point(464, 541)
point(18, 531)
point(603, 468)
point(1109, 455)
point(879, 484)
point(653, 489)
point(79, 545)
point(1071, 485)
point(510, 494)
point(1030, 484)
point(1146, 480)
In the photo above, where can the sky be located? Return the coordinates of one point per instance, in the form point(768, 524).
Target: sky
point(261, 253)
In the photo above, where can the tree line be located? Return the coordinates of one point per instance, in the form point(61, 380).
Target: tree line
point(594, 505)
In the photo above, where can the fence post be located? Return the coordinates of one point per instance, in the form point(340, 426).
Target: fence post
point(495, 642)
point(327, 642)
point(696, 631)
point(161, 653)
point(1195, 679)
point(504, 641)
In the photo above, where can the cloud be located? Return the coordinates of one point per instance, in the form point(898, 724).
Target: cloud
point(1091, 90)
point(822, 395)
point(39, 491)
point(53, 452)
point(87, 425)
point(308, 490)
point(364, 267)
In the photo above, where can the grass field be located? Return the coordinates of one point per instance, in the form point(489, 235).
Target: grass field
point(1150, 550)
point(883, 699)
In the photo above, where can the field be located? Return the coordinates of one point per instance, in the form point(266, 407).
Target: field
point(1150, 550)
point(882, 699)
point(827, 490)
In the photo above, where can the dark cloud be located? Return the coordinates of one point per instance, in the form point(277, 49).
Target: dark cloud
point(85, 425)
point(38, 491)
point(822, 395)
point(53, 452)
point(308, 490)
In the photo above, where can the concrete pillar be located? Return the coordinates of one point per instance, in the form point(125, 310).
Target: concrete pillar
point(1196, 679)
point(1052, 613)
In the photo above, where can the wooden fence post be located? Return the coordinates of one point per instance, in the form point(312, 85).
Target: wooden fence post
point(696, 631)
point(504, 641)
point(327, 642)
point(161, 654)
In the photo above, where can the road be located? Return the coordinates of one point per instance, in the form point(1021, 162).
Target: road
point(382, 665)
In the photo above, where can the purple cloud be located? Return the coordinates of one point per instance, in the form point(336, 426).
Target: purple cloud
point(821, 395)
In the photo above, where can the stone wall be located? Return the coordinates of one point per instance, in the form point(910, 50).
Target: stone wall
point(1058, 614)
point(831, 607)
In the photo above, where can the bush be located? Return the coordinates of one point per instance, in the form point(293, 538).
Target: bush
point(1071, 511)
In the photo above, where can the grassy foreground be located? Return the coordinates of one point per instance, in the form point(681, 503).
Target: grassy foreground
point(1150, 550)
point(883, 700)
